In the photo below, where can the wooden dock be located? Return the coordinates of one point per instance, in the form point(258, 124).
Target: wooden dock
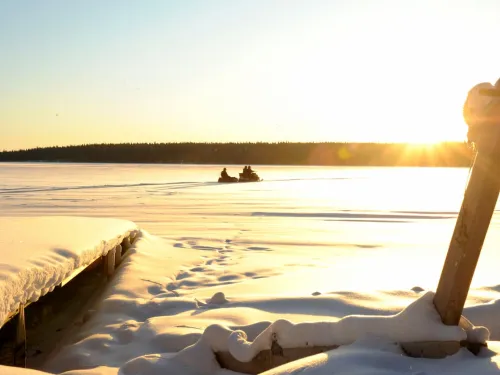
point(24, 333)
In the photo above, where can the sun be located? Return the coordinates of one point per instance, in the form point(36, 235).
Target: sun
point(435, 132)
point(418, 134)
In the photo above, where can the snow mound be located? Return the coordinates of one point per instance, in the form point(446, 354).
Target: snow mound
point(38, 253)
point(367, 344)
point(418, 322)
point(373, 356)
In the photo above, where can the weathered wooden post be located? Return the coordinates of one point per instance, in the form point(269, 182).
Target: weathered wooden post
point(13, 345)
point(20, 349)
point(126, 243)
point(109, 263)
point(482, 114)
point(118, 255)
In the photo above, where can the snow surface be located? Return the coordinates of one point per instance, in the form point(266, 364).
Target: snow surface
point(38, 253)
point(153, 328)
point(308, 246)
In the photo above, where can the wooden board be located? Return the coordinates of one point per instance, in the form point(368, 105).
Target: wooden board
point(268, 359)
point(470, 230)
point(277, 356)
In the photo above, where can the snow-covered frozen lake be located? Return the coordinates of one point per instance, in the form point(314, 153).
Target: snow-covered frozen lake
point(384, 219)
point(307, 244)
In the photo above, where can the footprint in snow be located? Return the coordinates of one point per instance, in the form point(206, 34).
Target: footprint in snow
point(258, 248)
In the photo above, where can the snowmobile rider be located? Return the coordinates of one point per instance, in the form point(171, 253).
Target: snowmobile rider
point(249, 170)
point(224, 174)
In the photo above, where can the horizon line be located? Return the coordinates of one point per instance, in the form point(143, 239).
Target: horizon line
point(416, 143)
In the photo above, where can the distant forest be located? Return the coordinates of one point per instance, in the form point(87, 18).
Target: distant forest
point(449, 154)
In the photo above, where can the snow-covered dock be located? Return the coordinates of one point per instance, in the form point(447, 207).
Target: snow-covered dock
point(38, 254)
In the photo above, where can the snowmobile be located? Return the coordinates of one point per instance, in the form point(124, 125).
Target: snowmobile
point(254, 177)
point(228, 179)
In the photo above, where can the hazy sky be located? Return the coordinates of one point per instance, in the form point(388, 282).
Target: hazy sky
point(74, 71)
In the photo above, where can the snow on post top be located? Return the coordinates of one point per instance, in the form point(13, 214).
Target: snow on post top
point(482, 105)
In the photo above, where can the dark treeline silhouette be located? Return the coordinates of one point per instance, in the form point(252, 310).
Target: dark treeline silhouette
point(449, 154)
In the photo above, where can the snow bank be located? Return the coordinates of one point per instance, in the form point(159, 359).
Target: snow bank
point(150, 323)
point(374, 356)
point(38, 253)
point(418, 322)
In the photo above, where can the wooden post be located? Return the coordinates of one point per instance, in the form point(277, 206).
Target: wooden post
point(118, 255)
point(126, 243)
point(109, 263)
point(470, 230)
point(20, 339)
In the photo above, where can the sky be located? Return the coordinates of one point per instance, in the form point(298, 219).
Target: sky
point(93, 71)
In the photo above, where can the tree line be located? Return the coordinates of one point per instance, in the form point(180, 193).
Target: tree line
point(448, 154)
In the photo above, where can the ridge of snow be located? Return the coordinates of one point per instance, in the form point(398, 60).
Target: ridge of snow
point(418, 322)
